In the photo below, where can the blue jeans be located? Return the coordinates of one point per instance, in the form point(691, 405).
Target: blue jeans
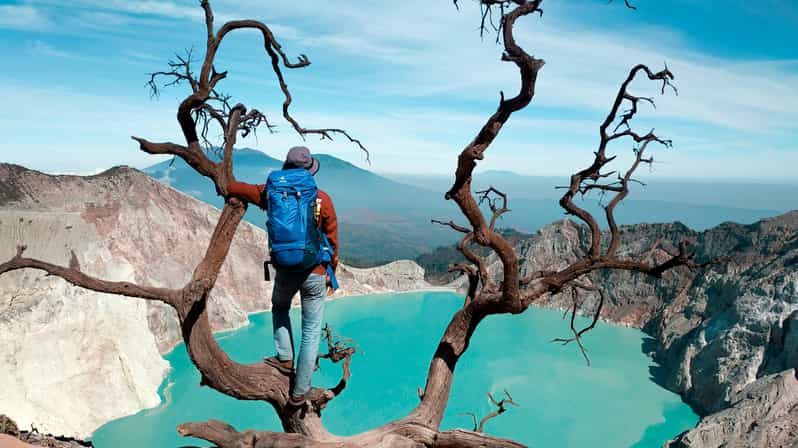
point(313, 290)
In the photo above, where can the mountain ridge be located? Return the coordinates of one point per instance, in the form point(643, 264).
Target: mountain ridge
point(773, 198)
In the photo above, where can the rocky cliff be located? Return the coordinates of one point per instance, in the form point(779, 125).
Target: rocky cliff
point(763, 414)
point(72, 359)
point(401, 275)
point(717, 333)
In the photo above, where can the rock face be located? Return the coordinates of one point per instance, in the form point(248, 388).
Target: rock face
point(72, 359)
point(715, 333)
point(764, 414)
point(402, 275)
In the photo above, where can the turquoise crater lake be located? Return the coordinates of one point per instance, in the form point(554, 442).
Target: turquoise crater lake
point(564, 403)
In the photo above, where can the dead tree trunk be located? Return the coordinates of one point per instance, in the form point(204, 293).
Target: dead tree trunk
point(303, 426)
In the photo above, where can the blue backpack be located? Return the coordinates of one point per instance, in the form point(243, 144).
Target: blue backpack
point(295, 241)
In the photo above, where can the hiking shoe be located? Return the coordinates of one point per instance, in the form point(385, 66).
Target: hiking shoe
point(313, 395)
point(286, 367)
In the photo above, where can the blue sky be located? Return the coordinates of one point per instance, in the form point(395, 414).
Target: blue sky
point(411, 79)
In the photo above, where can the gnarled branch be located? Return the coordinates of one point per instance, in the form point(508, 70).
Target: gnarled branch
point(338, 349)
point(508, 297)
point(491, 196)
point(577, 334)
point(73, 275)
point(224, 435)
point(501, 408)
point(200, 103)
point(588, 178)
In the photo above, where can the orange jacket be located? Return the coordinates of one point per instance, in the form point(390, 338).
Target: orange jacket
point(328, 222)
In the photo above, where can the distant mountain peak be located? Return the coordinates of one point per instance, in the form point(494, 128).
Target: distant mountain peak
point(276, 157)
point(500, 173)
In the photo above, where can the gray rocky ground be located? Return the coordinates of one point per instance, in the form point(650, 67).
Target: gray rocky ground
point(763, 414)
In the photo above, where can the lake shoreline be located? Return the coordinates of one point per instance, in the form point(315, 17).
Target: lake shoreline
point(618, 363)
point(336, 298)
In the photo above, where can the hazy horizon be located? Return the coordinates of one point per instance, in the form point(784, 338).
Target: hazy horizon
point(155, 159)
point(771, 196)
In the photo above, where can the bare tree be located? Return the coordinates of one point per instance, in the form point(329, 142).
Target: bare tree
point(514, 293)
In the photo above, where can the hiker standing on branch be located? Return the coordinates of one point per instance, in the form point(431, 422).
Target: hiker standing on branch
point(303, 245)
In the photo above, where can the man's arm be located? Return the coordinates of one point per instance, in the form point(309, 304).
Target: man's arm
point(329, 225)
point(247, 192)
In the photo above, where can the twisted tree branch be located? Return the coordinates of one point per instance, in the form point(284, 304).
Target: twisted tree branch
point(224, 435)
point(577, 334)
point(73, 275)
point(501, 408)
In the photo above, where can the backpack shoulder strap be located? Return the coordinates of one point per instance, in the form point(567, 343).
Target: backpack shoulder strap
point(317, 211)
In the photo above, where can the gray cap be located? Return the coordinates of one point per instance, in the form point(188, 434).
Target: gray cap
point(299, 157)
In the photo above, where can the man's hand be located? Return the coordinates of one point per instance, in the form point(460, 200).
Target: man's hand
point(330, 289)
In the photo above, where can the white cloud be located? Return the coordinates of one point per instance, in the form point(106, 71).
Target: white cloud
point(41, 48)
point(94, 19)
point(160, 8)
point(430, 50)
point(83, 131)
point(22, 17)
point(143, 56)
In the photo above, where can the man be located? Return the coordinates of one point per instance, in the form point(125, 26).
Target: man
point(313, 284)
